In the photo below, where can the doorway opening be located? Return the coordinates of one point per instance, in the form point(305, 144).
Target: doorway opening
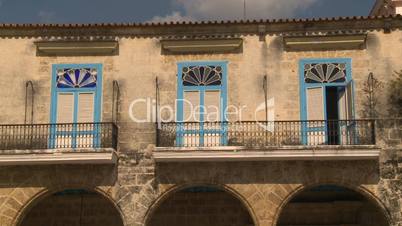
point(332, 112)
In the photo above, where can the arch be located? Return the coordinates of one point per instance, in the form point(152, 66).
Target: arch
point(46, 193)
point(177, 188)
point(360, 190)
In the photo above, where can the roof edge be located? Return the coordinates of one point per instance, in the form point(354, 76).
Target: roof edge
point(173, 23)
point(204, 27)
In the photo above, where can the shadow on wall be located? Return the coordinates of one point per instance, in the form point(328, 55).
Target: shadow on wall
point(73, 208)
point(200, 206)
point(272, 172)
point(331, 205)
point(54, 177)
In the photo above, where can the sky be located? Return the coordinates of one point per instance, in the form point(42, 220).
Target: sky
point(98, 11)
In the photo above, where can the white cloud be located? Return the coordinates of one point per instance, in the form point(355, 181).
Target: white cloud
point(46, 16)
point(233, 9)
point(173, 17)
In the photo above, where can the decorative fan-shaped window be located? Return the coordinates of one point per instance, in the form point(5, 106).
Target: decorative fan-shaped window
point(202, 75)
point(325, 73)
point(76, 78)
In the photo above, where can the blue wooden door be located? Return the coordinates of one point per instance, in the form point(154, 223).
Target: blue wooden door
point(201, 104)
point(75, 106)
point(325, 89)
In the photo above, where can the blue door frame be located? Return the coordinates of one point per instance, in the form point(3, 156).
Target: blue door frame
point(75, 91)
point(181, 130)
point(304, 86)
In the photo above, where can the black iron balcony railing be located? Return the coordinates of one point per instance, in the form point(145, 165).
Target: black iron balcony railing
point(260, 134)
point(53, 136)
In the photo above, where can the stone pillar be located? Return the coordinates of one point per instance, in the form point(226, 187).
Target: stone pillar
point(388, 137)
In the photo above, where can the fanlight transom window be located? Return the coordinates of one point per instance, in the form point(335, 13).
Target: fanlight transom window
point(76, 78)
point(202, 75)
point(325, 73)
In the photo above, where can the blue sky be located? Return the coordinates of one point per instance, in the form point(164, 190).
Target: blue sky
point(90, 11)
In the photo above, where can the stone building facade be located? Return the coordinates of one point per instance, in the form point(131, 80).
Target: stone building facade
point(386, 7)
point(274, 158)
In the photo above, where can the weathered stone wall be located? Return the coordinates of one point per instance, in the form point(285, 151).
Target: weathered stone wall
point(390, 187)
point(140, 61)
point(136, 185)
point(389, 136)
point(389, 133)
point(23, 187)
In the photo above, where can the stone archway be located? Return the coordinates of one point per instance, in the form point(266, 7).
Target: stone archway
point(199, 205)
point(331, 205)
point(72, 207)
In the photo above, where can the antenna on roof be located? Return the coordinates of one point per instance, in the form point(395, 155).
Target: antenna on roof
point(244, 9)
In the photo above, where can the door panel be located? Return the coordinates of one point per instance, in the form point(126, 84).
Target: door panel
point(349, 98)
point(316, 131)
point(65, 108)
point(191, 106)
point(65, 114)
point(315, 103)
point(346, 102)
point(85, 111)
point(212, 106)
point(212, 129)
point(85, 114)
point(191, 115)
point(346, 124)
point(342, 104)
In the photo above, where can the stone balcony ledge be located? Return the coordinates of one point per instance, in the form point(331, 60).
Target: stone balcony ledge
point(283, 153)
point(58, 156)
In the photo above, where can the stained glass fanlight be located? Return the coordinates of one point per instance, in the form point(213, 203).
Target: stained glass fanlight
point(202, 75)
point(325, 73)
point(77, 78)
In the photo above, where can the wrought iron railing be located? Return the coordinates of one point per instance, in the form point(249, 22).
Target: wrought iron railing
point(260, 134)
point(61, 135)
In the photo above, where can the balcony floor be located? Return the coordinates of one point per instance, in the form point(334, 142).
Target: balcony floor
point(58, 156)
point(283, 153)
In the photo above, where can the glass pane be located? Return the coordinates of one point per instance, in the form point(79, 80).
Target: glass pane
point(76, 78)
point(325, 73)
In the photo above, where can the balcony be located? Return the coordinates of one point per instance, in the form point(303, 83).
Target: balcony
point(252, 140)
point(63, 143)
